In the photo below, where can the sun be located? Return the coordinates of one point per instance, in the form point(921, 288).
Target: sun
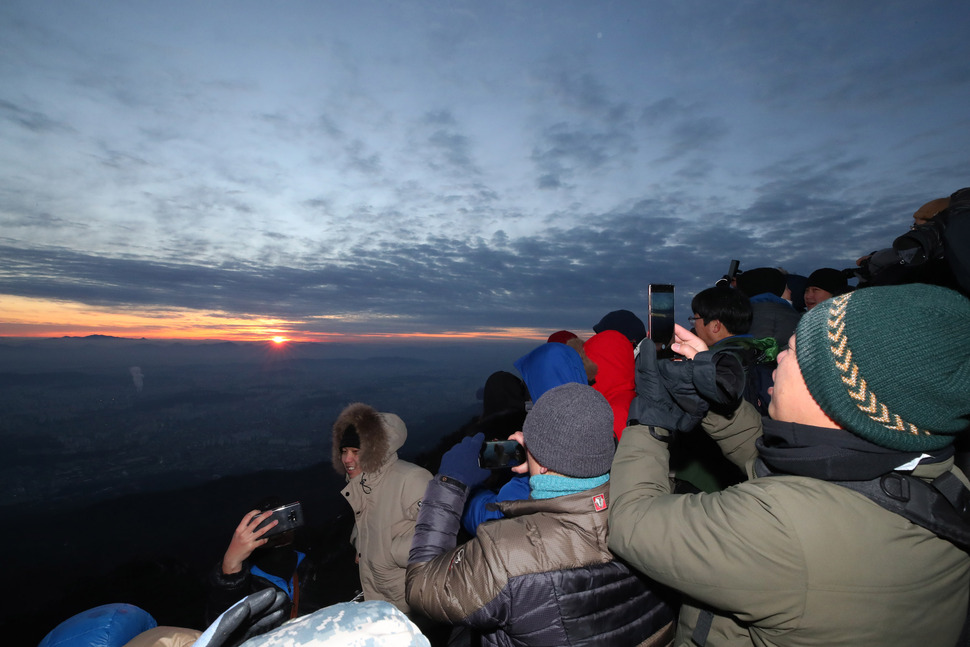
point(279, 340)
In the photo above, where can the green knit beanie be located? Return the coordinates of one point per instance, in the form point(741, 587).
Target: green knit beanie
point(891, 364)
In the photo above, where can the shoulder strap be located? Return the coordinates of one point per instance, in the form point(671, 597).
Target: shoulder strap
point(295, 609)
point(942, 506)
point(702, 629)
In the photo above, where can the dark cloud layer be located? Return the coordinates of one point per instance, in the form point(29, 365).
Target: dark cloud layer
point(421, 168)
point(565, 277)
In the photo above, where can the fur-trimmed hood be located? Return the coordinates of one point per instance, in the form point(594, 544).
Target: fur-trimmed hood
point(381, 435)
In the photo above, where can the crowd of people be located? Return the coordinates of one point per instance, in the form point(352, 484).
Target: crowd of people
point(846, 519)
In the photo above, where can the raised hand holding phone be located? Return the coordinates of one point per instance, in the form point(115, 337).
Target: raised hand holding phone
point(286, 517)
point(245, 539)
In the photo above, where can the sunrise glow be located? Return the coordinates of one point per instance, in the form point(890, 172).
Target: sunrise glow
point(26, 317)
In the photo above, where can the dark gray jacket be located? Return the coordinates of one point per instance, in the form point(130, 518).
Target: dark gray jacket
point(541, 576)
point(775, 318)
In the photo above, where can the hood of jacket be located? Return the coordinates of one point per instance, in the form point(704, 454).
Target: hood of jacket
point(381, 435)
point(616, 368)
point(549, 366)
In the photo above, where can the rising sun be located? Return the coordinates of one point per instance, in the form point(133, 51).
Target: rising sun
point(279, 340)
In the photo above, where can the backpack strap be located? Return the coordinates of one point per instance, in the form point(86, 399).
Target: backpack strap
point(295, 609)
point(941, 506)
point(703, 628)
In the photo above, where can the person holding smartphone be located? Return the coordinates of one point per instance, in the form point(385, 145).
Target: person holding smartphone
point(537, 576)
point(257, 558)
point(545, 367)
point(852, 527)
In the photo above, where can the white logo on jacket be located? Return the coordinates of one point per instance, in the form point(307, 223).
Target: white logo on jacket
point(456, 560)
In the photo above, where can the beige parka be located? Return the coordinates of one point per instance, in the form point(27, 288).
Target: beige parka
point(385, 498)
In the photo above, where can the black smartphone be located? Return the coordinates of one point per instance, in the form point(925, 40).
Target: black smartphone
point(660, 319)
point(500, 454)
point(290, 517)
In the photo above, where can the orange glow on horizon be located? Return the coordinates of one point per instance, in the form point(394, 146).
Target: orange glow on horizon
point(26, 317)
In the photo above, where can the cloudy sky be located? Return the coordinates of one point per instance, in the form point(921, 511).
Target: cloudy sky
point(321, 170)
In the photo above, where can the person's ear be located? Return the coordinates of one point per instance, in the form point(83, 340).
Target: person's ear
point(716, 327)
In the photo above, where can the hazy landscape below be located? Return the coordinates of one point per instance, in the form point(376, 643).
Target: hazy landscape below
point(126, 464)
point(86, 419)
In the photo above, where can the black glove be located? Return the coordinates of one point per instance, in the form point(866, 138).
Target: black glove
point(710, 378)
point(255, 614)
point(724, 384)
point(654, 405)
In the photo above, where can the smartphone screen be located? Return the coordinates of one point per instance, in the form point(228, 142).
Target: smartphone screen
point(500, 454)
point(290, 516)
point(660, 322)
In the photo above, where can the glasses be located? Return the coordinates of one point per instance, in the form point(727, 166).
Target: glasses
point(693, 318)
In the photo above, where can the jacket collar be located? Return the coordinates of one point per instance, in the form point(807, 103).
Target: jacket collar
point(836, 454)
point(595, 500)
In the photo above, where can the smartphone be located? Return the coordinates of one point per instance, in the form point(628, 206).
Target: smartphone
point(290, 517)
point(660, 319)
point(500, 454)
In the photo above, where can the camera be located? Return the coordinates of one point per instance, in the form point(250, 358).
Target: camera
point(923, 242)
point(937, 251)
point(727, 280)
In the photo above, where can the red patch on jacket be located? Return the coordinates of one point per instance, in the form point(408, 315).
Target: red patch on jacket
point(599, 502)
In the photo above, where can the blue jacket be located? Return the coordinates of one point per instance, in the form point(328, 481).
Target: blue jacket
point(478, 510)
point(549, 366)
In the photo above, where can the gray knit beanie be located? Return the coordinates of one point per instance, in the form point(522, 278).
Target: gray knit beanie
point(570, 431)
point(891, 364)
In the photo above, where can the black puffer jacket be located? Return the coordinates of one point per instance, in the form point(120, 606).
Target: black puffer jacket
point(542, 576)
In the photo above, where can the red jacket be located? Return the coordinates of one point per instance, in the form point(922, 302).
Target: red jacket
point(613, 354)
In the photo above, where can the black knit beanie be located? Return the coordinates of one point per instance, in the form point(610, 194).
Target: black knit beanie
point(761, 280)
point(622, 321)
point(350, 438)
point(829, 279)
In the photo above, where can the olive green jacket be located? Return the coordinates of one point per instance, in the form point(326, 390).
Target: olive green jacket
point(784, 560)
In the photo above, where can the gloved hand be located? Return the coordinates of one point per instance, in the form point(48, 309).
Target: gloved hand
point(654, 405)
point(710, 378)
point(255, 614)
point(461, 462)
point(724, 382)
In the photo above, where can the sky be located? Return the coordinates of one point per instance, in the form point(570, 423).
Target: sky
point(321, 170)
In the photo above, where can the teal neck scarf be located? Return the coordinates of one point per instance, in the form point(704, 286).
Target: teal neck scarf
point(548, 486)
